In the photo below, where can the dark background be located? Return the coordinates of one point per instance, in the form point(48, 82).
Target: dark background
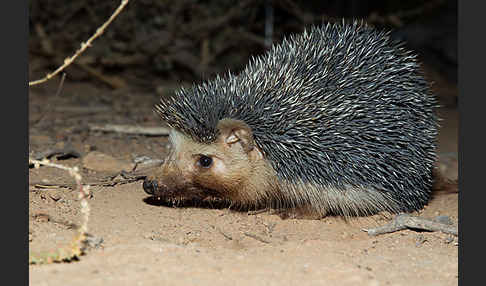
point(160, 43)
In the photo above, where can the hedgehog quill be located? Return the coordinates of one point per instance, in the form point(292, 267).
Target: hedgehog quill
point(338, 120)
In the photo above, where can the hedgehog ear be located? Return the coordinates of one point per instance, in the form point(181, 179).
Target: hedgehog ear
point(234, 131)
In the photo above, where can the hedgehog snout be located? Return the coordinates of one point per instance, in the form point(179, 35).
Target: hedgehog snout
point(158, 187)
point(150, 186)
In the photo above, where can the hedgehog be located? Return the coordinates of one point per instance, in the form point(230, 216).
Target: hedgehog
point(338, 120)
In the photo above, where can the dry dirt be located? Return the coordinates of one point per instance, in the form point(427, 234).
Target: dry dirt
point(148, 244)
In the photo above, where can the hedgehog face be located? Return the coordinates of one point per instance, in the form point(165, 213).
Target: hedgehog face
point(222, 169)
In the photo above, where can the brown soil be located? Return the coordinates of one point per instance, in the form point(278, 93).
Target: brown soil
point(150, 244)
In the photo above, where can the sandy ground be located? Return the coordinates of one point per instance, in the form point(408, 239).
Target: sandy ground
point(145, 243)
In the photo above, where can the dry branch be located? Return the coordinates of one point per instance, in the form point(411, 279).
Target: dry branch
point(406, 221)
point(84, 45)
point(131, 129)
point(113, 81)
point(48, 107)
point(76, 247)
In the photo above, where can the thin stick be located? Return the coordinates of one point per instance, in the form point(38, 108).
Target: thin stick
point(131, 129)
point(256, 237)
point(48, 107)
point(84, 45)
point(404, 221)
point(75, 248)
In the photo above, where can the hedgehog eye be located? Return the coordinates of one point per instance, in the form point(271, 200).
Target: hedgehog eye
point(205, 161)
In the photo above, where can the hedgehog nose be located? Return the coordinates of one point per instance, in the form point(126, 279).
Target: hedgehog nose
point(149, 186)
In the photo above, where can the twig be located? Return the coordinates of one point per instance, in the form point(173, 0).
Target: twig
point(131, 129)
point(48, 107)
point(404, 221)
point(139, 173)
point(77, 245)
point(103, 183)
point(84, 45)
point(227, 236)
point(256, 237)
point(113, 81)
point(83, 109)
point(46, 44)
